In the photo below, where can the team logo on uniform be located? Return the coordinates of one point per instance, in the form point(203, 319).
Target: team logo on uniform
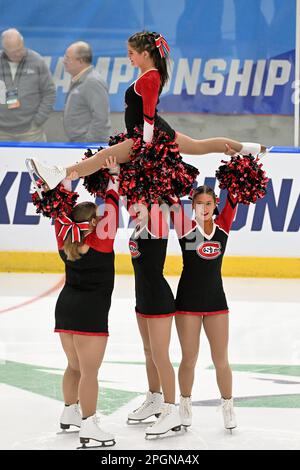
point(133, 248)
point(209, 250)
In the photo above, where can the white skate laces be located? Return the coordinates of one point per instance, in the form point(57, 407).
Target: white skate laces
point(185, 411)
point(90, 431)
point(228, 413)
point(150, 407)
point(146, 404)
point(71, 416)
point(169, 420)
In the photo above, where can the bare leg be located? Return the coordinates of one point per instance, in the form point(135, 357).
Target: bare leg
point(160, 334)
point(216, 328)
point(72, 373)
point(122, 150)
point(152, 373)
point(188, 330)
point(86, 167)
point(90, 351)
point(199, 147)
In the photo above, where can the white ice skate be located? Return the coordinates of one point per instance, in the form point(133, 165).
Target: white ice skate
point(90, 431)
point(169, 420)
point(253, 148)
point(71, 416)
point(150, 407)
point(228, 414)
point(51, 176)
point(185, 411)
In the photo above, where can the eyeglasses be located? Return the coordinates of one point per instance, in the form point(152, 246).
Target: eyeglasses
point(70, 59)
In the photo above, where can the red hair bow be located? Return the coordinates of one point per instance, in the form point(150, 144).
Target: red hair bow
point(162, 46)
point(67, 224)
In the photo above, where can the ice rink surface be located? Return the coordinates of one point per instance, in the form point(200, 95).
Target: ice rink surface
point(264, 353)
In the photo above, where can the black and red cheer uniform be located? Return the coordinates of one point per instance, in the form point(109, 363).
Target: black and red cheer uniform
point(84, 302)
point(156, 167)
point(200, 289)
point(148, 247)
point(141, 99)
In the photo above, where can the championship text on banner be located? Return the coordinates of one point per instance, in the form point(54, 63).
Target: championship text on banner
point(244, 62)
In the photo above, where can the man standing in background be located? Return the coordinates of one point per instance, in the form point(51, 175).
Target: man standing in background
point(27, 91)
point(86, 114)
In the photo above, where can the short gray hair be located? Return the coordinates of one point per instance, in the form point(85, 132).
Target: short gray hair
point(11, 32)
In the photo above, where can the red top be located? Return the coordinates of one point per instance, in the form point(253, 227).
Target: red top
point(148, 86)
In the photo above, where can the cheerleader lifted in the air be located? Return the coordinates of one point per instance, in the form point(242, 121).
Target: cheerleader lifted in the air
point(150, 150)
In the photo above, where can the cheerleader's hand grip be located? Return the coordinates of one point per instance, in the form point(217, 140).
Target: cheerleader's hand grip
point(112, 165)
point(230, 151)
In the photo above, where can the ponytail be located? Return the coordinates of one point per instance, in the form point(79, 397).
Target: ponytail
point(84, 211)
point(71, 249)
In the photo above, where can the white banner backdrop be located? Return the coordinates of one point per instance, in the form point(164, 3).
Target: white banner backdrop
point(269, 228)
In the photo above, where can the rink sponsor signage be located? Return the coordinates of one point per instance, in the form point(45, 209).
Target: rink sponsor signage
point(269, 228)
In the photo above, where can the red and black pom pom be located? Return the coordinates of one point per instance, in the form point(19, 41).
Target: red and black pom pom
point(244, 177)
point(56, 202)
point(96, 183)
point(155, 169)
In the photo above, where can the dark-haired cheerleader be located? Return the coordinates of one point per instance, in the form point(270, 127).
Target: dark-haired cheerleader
point(85, 244)
point(200, 296)
point(150, 148)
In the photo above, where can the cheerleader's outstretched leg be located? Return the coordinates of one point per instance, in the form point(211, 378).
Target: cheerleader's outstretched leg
point(52, 176)
point(217, 145)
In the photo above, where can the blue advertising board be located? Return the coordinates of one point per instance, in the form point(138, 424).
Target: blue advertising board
point(228, 56)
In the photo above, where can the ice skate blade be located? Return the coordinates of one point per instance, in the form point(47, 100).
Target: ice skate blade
point(265, 152)
point(230, 429)
point(64, 432)
point(33, 171)
point(101, 444)
point(153, 435)
point(131, 421)
point(186, 427)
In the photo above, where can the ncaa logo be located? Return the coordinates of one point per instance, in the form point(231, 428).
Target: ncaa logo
point(133, 248)
point(209, 250)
